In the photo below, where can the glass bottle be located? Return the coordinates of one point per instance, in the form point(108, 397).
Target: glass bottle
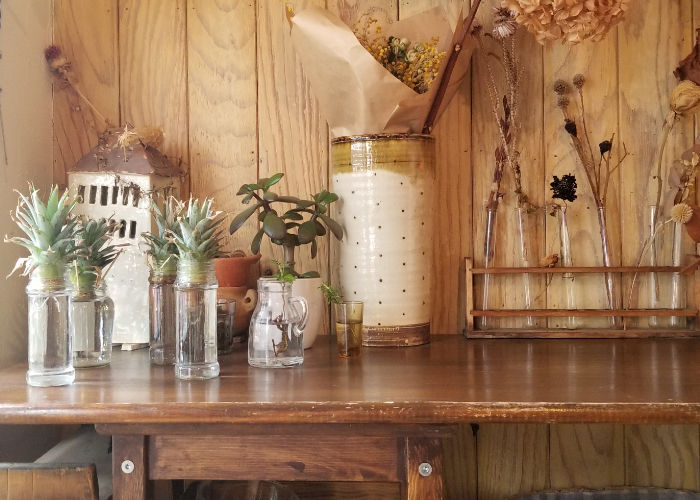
point(677, 279)
point(525, 261)
point(485, 322)
point(161, 311)
point(93, 320)
point(195, 292)
point(50, 350)
point(612, 285)
point(567, 261)
point(277, 325)
point(654, 285)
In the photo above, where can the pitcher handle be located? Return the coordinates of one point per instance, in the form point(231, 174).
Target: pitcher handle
point(299, 328)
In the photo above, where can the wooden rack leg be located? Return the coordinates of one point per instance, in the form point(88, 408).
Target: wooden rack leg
point(129, 462)
point(469, 281)
point(422, 468)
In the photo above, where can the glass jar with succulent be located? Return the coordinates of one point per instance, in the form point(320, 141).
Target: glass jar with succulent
point(50, 230)
point(162, 260)
point(298, 226)
point(91, 307)
point(198, 243)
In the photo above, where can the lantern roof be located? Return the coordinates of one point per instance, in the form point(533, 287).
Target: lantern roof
point(108, 156)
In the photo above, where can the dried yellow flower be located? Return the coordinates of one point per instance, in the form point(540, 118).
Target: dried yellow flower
point(569, 20)
point(151, 136)
point(681, 213)
point(127, 138)
point(685, 98)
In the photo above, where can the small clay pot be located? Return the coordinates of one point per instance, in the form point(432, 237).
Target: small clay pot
point(246, 300)
point(234, 271)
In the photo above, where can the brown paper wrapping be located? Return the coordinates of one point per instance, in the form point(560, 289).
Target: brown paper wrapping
point(358, 95)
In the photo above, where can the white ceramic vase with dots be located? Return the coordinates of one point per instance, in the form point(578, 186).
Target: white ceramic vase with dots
point(385, 185)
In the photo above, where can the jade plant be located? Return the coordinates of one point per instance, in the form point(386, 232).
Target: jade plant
point(299, 225)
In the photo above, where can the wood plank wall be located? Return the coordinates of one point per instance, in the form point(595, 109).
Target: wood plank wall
point(222, 79)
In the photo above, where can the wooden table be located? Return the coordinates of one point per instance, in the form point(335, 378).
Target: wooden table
point(376, 418)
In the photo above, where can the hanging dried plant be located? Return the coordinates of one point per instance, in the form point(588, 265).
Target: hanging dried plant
point(571, 21)
point(689, 68)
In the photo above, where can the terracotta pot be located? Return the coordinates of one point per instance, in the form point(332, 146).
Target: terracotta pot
point(310, 289)
point(246, 300)
point(235, 271)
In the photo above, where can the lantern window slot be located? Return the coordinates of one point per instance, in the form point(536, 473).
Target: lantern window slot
point(125, 195)
point(135, 196)
point(81, 194)
point(115, 194)
point(122, 228)
point(93, 195)
point(104, 195)
point(132, 229)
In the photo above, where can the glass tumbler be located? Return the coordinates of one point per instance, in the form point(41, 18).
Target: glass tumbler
point(348, 328)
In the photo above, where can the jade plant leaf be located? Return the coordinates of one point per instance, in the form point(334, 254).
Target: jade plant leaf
point(240, 219)
point(274, 227)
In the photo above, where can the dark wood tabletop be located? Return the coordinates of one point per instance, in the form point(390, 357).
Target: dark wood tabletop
point(451, 380)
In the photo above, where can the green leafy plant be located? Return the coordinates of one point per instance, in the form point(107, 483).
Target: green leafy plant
point(198, 239)
point(95, 255)
point(283, 273)
point(50, 229)
point(162, 250)
point(300, 225)
point(331, 293)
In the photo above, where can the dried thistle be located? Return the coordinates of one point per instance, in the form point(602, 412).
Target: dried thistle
point(564, 188)
point(504, 24)
point(681, 213)
point(561, 87)
point(579, 80)
point(151, 136)
point(563, 101)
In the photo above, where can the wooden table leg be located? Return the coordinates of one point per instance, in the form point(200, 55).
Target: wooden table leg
point(129, 462)
point(422, 468)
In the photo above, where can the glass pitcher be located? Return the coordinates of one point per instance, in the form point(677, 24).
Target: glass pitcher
point(276, 329)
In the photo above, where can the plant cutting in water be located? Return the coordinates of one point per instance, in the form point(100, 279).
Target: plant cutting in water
point(198, 239)
point(95, 256)
point(162, 251)
point(298, 226)
point(331, 293)
point(50, 229)
point(283, 273)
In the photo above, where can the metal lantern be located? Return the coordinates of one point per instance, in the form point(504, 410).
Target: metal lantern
point(117, 183)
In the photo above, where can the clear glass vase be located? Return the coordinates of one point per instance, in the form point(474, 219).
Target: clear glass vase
point(195, 292)
point(49, 343)
point(566, 260)
point(276, 328)
point(525, 261)
point(677, 279)
point(654, 285)
point(93, 321)
point(162, 312)
point(612, 280)
point(489, 253)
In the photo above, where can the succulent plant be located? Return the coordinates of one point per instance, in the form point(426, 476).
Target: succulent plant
point(94, 253)
point(198, 239)
point(297, 226)
point(50, 229)
point(162, 249)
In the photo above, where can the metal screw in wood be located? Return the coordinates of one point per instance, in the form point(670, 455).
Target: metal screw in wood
point(127, 466)
point(425, 469)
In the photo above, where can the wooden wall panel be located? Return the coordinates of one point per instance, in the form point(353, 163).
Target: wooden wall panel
point(586, 456)
point(654, 38)
point(293, 137)
point(153, 69)
point(222, 90)
point(460, 464)
point(662, 456)
point(452, 205)
point(598, 63)
point(87, 35)
point(512, 459)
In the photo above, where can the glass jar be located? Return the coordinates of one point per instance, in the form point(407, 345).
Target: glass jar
point(485, 322)
point(566, 260)
point(93, 320)
point(195, 295)
point(161, 311)
point(276, 329)
point(50, 354)
point(525, 261)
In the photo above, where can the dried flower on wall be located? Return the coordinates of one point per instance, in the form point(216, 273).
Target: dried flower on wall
point(689, 68)
point(565, 188)
point(571, 21)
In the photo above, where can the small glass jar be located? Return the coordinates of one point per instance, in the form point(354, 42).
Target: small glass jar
point(161, 311)
point(49, 337)
point(93, 321)
point(276, 328)
point(195, 292)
